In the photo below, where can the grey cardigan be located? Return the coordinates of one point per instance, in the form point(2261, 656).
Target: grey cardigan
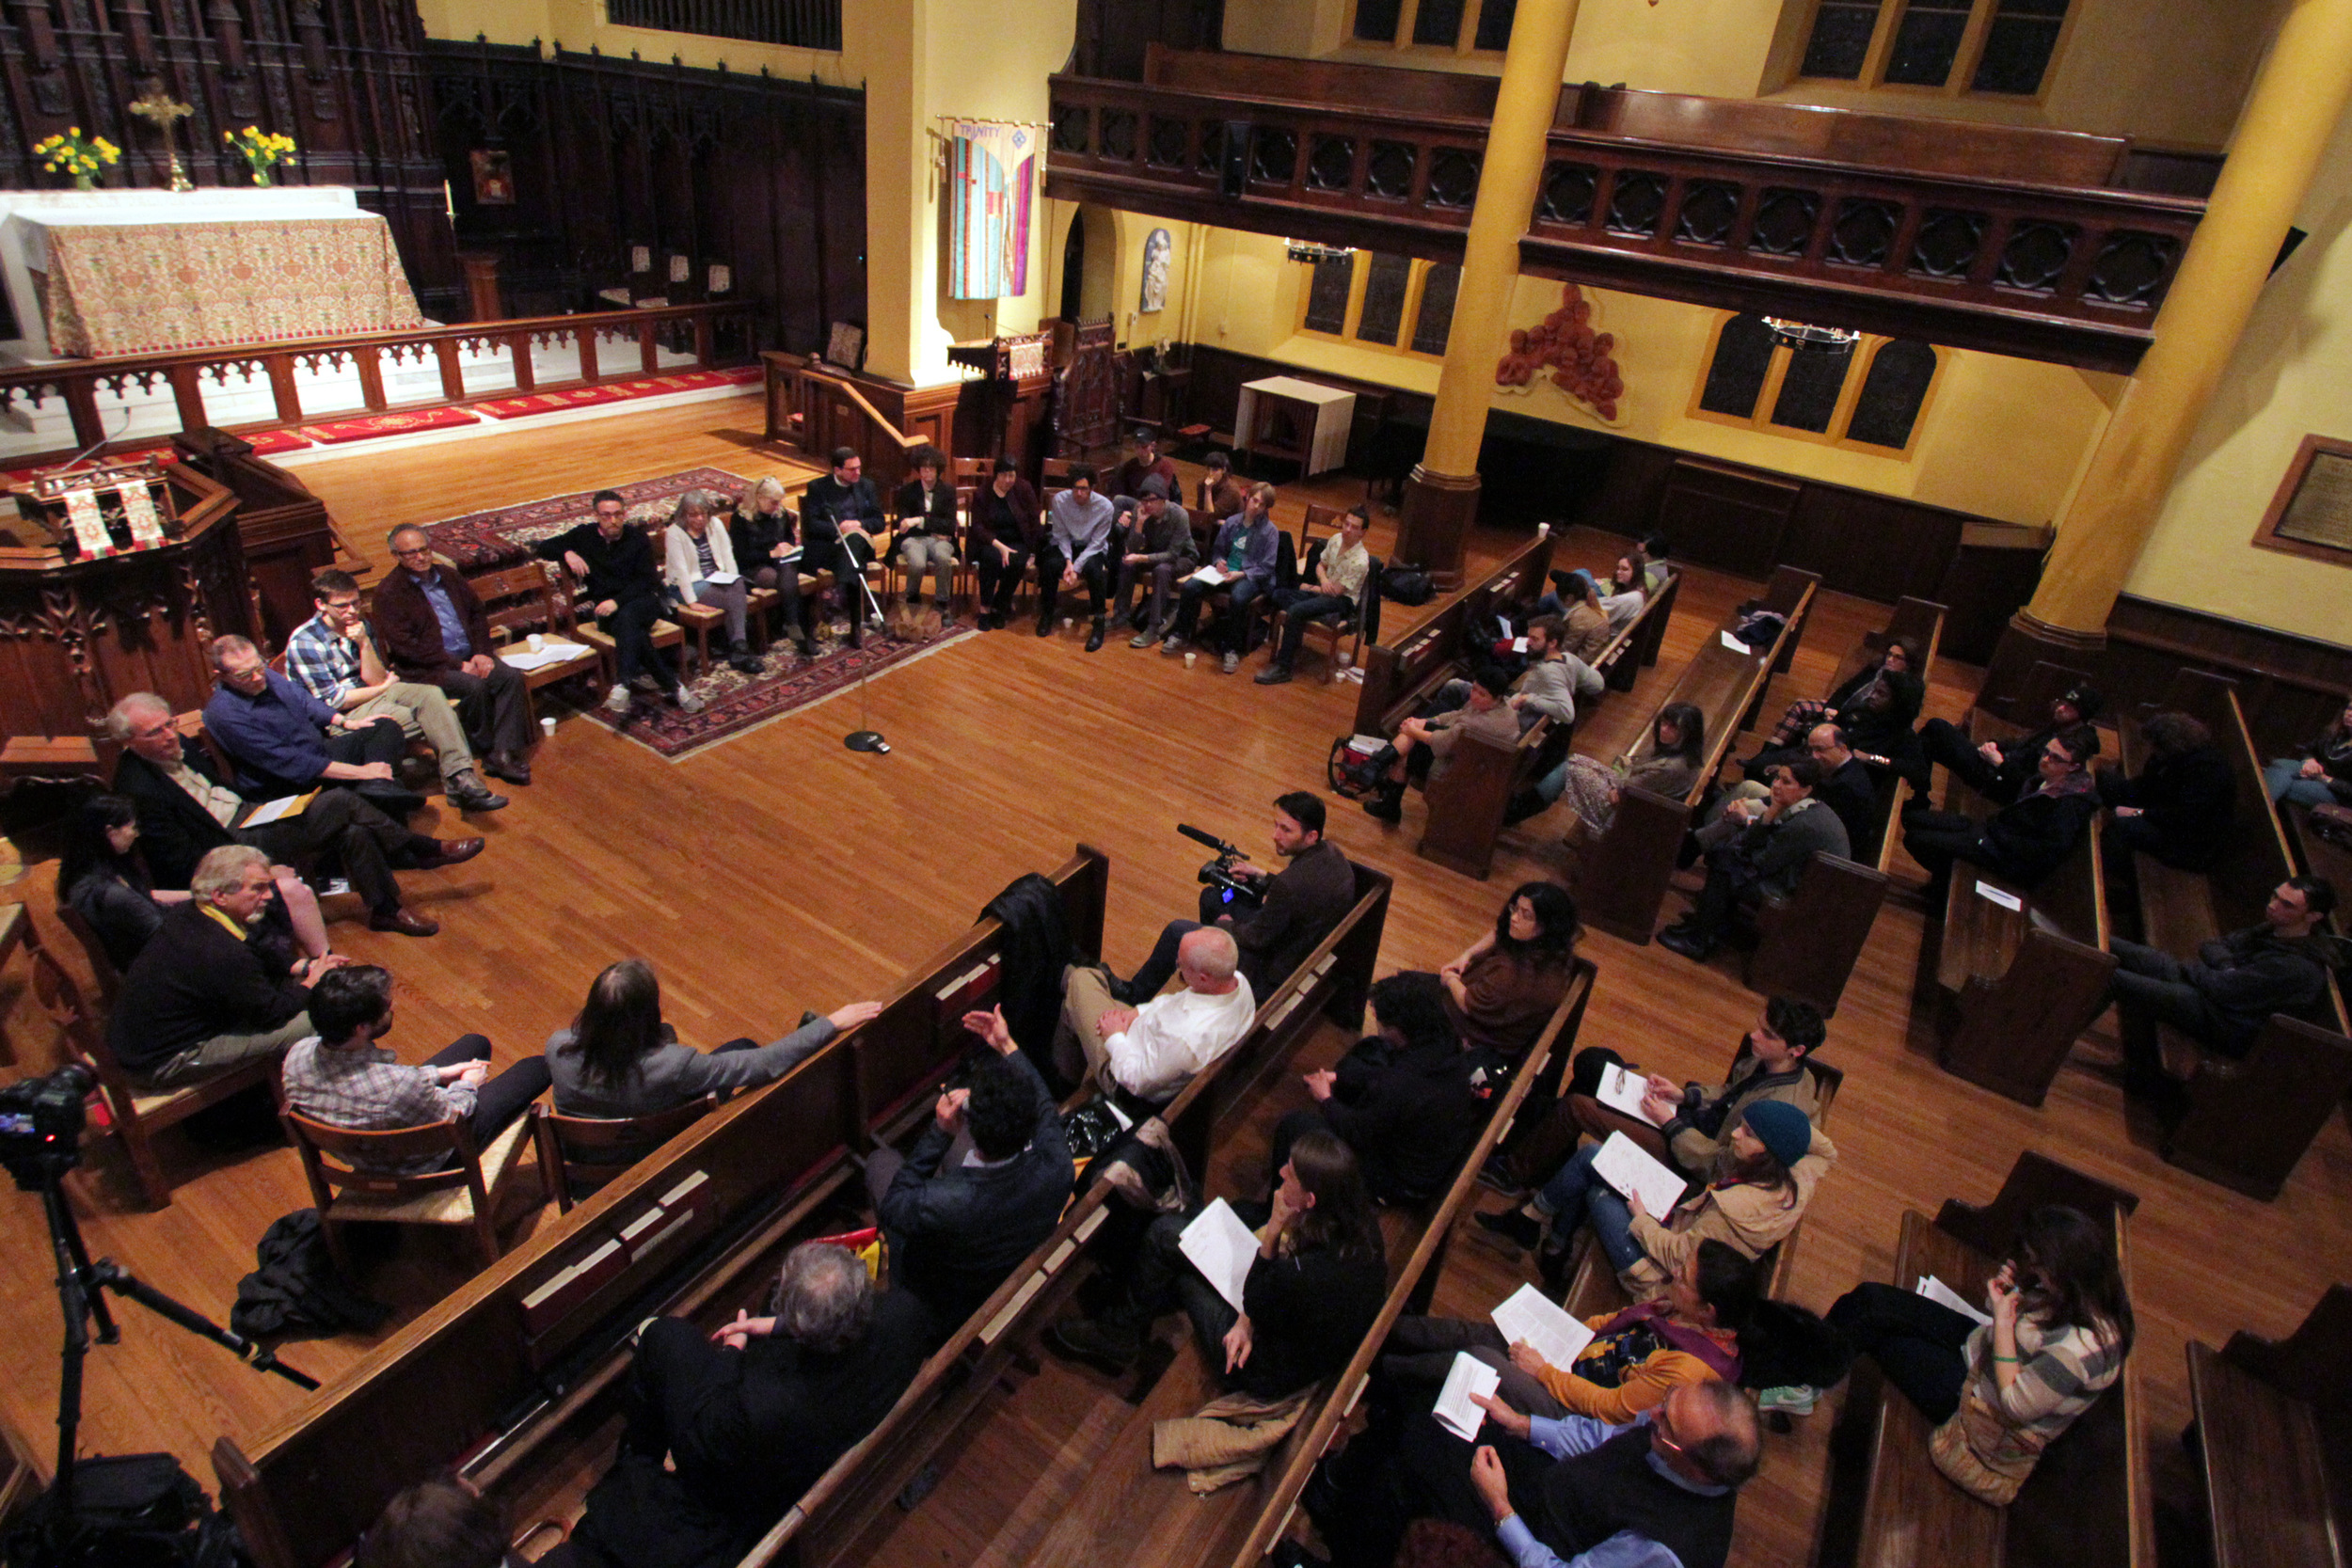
point(672, 1075)
point(1553, 688)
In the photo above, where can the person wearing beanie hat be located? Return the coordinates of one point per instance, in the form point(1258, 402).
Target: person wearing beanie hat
point(1154, 544)
point(1762, 1184)
point(2000, 770)
point(1128, 480)
point(1783, 1128)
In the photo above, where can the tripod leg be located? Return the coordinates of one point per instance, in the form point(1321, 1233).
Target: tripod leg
point(79, 1302)
point(112, 1277)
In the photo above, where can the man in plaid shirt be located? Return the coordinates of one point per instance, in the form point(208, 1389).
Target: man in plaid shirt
point(342, 1077)
point(332, 656)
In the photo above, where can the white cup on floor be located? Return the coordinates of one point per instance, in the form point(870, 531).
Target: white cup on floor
point(1065, 623)
point(547, 728)
point(1542, 531)
point(1189, 656)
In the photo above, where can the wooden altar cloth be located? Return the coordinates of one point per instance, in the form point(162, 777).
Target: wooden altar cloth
point(114, 288)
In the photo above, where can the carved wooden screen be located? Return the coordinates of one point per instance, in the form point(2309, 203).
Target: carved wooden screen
point(1085, 402)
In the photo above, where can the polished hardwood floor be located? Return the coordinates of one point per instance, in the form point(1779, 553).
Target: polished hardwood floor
point(778, 870)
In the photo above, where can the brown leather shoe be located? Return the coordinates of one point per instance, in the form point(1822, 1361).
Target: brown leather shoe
point(449, 851)
point(407, 924)
point(507, 768)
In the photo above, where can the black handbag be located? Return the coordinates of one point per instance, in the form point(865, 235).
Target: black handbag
point(1407, 584)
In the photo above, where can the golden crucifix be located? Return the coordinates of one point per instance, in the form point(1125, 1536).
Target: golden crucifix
point(159, 107)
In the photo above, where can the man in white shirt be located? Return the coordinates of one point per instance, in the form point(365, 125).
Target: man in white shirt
point(1152, 1052)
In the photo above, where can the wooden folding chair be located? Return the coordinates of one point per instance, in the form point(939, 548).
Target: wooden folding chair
point(344, 1170)
point(579, 1155)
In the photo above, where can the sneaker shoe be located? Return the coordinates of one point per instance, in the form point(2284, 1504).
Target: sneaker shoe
point(1517, 1231)
point(1233, 662)
point(1095, 1342)
point(1172, 645)
point(1793, 1399)
point(616, 700)
point(688, 702)
point(1140, 639)
point(1274, 674)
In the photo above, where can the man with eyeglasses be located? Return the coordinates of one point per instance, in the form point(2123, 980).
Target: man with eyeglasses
point(614, 562)
point(332, 656)
point(434, 632)
point(185, 812)
point(1659, 1491)
point(2025, 840)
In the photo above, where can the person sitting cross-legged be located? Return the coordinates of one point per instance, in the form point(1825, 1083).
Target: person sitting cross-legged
point(341, 1076)
point(926, 532)
point(333, 658)
point(766, 539)
point(1312, 1294)
point(2319, 773)
point(203, 997)
point(1154, 544)
point(1757, 854)
point(697, 557)
point(1637, 1356)
point(1150, 1052)
point(985, 1186)
point(435, 631)
point(726, 1431)
point(2024, 840)
point(2222, 998)
point(1244, 553)
point(1341, 568)
point(613, 562)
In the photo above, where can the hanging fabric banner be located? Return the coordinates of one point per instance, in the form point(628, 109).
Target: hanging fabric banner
point(992, 174)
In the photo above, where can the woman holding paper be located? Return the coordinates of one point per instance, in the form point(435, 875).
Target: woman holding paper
point(699, 561)
point(2001, 1388)
point(1311, 1289)
point(766, 538)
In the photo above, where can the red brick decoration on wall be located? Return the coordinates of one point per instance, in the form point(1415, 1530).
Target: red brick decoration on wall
point(1582, 362)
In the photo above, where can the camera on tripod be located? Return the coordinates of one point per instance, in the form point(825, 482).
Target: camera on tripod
point(41, 1121)
point(1235, 893)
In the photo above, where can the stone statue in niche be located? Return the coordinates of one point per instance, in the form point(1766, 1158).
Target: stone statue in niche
point(1583, 361)
point(1156, 251)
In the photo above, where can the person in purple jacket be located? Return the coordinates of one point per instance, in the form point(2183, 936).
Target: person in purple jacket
point(1244, 552)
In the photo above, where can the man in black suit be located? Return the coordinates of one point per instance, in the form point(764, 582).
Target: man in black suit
point(841, 511)
point(201, 999)
point(985, 1186)
point(185, 811)
point(753, 1422)
point(1303, 901)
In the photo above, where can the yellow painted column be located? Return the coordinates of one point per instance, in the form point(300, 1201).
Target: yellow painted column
point(1442, 498)
point(2289, 117)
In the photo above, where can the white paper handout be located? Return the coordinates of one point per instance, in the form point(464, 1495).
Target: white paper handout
point(1630, 1169)
point(1531, 1318)
point(1518, 645)
point(1208, 575)
point(1455, 1411)
point(1222, 1248)
point(1735, 645)
point(1623, 1089)
point(1943, 1295)
point(2006, 900)
point(548, 653)
point(270, 811)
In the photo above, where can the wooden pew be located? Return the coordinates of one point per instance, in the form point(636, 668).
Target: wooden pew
point(1808, 942)
point(2020, 973)
point(1466, 807)
point(507, 1370)
point(2273, 1441)
point(1636, 645)
point(825, 1527)
point(2087, 1503)
point(1622, 876)
point(1399, 678)
point(2245, 1124)
point(1410, 1291)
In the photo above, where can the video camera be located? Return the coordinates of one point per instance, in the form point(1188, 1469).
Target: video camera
point(1237, 894)
point(40, 1124)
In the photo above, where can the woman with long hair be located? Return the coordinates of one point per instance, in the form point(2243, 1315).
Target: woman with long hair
point(2320, 772)
point(1312, 1294)
point(765, 537)
point(2003, 1391)
point(1501, 990)
point(1876, 708)
point(1677, 742)
point(618, 1058)
point(103, 878)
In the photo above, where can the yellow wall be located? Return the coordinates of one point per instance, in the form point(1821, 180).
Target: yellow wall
point(578, 25)
point(2288, 379)
point(1128, 233)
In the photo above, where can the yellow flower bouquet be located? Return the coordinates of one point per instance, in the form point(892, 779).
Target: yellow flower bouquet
point(71, 152)
point(262, 150)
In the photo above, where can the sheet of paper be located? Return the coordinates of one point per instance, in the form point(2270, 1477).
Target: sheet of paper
point(722, 579)
point(273, 811)
point(1505, 622)
point(522, 658)
point(1629, 1168)
point(1622, 1089)
point(1222, 1248)
point(1529, 1317)
point(1943, 1295)
point(1208, 575)
point(1518, 645)
point(1455, 1411)
point(1735, 645)
point(2006, 900)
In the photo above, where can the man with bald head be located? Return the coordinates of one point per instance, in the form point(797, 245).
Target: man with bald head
point(1151, 1052)
point(434, 632)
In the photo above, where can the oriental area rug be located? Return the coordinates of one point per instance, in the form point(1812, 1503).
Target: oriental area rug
point(735, 702)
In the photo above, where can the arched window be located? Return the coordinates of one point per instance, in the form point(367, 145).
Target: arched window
point(1743, 357)
point(1868, 395)
point(1892, 393)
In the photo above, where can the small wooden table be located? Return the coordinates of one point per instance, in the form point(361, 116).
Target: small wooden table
point(1298, 420)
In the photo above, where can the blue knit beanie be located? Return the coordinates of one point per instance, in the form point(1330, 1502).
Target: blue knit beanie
point(1781, 1127)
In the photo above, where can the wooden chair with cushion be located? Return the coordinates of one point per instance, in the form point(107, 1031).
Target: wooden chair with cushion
point(102, 965)
point(342, 1165)
point(666, 634)
point(579, 1155)
point(138, 1114)
point(1361, 624)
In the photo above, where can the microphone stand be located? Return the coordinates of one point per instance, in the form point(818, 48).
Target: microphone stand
point(865, 738)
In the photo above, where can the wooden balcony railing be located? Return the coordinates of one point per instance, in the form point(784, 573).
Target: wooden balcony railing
point(1984, 260)
point(610, 345)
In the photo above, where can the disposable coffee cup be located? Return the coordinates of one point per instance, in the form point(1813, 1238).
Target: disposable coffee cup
point(1065, 623)
point(1188, 659)
point(537, 643)
point(547, 727)
point(1542, 531)
point(1346, 658)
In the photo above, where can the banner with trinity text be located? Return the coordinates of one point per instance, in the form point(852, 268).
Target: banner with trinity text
point(992, 177)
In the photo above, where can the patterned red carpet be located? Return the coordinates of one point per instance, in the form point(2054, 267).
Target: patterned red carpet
point(736, 702)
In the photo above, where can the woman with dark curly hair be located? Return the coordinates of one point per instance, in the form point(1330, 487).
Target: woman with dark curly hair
point(1501, 988)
